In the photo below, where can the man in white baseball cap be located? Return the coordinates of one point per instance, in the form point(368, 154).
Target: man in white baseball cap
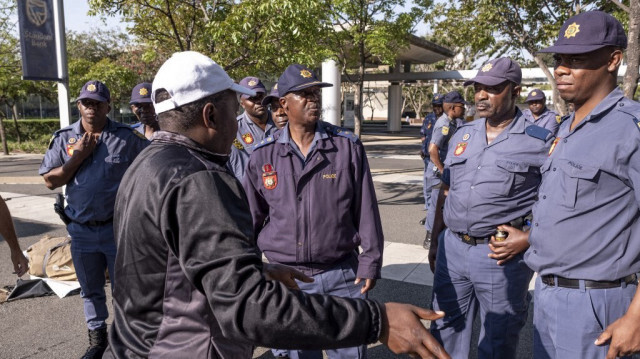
point(191, 282)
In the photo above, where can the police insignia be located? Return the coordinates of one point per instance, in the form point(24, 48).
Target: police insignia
point(247, 138)
point(143, 92)
point(466, 136)
point(72, 140)
point(486, 67)
point(445, 130)
point(70, 150)
point(237, 144)
point(460, 147)
point(91, 88)
point(572, 30)
point(559, 119)
point(275, 87)
point(553, 145)
point(252, 83)
point(429, 126)
point(534, 93)
point(305, 73)
point(269, 176)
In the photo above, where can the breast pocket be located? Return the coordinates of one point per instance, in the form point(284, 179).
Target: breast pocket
point(457, 172)
point(579, 183)
point(116, 166)
point(522, 175)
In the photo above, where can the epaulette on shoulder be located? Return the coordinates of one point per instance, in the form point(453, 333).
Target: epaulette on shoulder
point(339, 131)
point(57, 133)
point(264, 142)
point(631, 111)
point(538, 132)
point(136, 125)
point(130, 128)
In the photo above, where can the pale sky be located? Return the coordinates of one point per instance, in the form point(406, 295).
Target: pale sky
point(76, 18)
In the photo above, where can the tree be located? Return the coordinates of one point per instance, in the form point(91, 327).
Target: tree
point(418, 96)
point(370, 31)
point(630, 82)
point(12, 87)
point(251, 37)
point(510, 27)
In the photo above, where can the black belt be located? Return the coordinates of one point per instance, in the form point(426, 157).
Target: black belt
point(471, 240)
point(550, 280)
point(96, 223)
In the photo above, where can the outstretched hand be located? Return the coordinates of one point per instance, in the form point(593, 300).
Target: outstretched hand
point(403, 332)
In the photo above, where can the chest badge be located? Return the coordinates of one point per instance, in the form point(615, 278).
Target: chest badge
point(466, 137)
point(269, 177)
point(460, 147)
point(559, 119)
point(72, 140)
point(445, 130)
point(237, 144)
point(70, 150)
point(247, 138)
point(553, 145)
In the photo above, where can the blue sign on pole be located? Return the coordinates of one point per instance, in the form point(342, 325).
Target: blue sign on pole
point(37, 40)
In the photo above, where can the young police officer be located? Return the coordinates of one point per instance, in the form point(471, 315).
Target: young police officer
point(494, 164)
point(90, 158)
point(539, 114)
point(192, 284)
point(426, 130)
point(142, 107)
point(312, 181)
point(254, 124)
point(586, 224)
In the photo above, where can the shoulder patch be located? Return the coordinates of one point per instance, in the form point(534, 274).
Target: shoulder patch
point(266, 141)
point(53, 137)
point(538, 132)
point(339, 131)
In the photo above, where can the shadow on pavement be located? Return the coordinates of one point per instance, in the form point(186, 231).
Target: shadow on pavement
point(392, 193)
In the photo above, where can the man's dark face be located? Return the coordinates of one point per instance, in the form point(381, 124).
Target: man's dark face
point(303, 107)
point(536, 107)
point(580, 76)
point(93, 111)
point(253, 105)
point(277, 113)
point(438, 110)
point(145, 112)
point(496, 102)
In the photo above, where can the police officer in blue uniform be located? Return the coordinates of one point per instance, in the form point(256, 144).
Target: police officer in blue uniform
point(142, 107)
point(494, 165)
point(313, 202)
point(425, 137)
point(90, 158)
point(538, 112)
point(586, 224)
point(272, 102)
point(454, 109)
point(254, 124)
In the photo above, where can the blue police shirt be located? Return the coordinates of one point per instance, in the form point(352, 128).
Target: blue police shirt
point(442, 132)
point(92, 192)
point(317, 211)
point(548, 119)
point(586, 223)
point(493, 184)
point(248, 135)
point(426, 130)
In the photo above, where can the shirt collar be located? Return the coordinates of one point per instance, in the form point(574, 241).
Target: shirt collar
point(611, 100)
point(320, 133)
point(176, 138)
point(77, 126)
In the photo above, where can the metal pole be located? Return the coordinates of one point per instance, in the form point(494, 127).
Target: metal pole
point(331, 95)
point(61, 55)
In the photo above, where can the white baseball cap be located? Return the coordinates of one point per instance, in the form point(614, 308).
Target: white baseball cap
point(189, 76)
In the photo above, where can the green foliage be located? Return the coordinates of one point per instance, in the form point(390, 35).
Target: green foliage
point(35, 135)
